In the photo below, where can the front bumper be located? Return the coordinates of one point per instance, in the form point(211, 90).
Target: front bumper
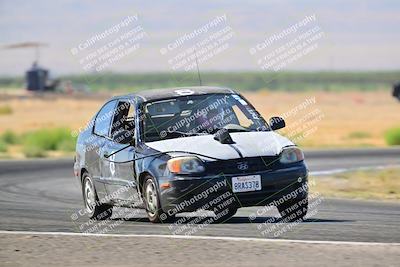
point(187, 193)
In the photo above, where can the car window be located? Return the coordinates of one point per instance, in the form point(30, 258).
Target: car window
point(241, 117)
point(131, 112)
point(124, 117)
point(198, 114)
point(103, 119)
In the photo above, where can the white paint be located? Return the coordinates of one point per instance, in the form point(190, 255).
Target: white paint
point(222, 238)
point(250, 144)
point(184, 92)
point(342, 170)
point(328, 172)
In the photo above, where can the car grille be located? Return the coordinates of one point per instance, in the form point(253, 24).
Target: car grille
point(242, 166)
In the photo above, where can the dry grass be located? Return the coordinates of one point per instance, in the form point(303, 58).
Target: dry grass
point(32, 113)
point(349, 118)
point(345, 115)
point(5, 110)
point(371, 184)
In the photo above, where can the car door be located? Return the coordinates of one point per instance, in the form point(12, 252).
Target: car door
point(99, 135)
point(118, 169)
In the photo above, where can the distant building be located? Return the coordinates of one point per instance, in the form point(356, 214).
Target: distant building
point(37, 79)
point(396, 90)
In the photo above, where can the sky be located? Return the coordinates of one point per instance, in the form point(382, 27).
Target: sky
point(350, 35)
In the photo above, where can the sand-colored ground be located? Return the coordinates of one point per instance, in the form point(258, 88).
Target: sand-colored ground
point(362, 184)
point(345, 118)
point(30, 112)
point(336, 119)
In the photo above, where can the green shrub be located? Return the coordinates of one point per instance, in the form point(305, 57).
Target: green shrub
point(34, 152)
point(5, 110)
point(38, 142)
point(67, 145)
point(9, 137)
point(3, 146)
point(392, 136)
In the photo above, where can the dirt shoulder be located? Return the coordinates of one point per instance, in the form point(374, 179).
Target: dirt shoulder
point(374, 184)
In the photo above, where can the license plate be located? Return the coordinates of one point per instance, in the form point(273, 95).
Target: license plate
point(246, 183)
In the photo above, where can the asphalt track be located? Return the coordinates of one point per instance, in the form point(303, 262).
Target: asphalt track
point(42, 195)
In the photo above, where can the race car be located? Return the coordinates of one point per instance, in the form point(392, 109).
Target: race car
point(187, 149)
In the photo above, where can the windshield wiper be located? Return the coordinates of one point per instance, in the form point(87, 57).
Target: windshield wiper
point(184, 133)
point(231, 129)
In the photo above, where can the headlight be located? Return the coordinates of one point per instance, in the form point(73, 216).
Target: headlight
point(291, 155)
point(185, 165)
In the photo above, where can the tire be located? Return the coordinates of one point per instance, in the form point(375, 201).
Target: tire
point(294, 211)
point(152, 202)
point(224, 214)
point(94, 209)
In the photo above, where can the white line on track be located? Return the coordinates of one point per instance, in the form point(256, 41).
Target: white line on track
point(341, 170)
point(222, 238)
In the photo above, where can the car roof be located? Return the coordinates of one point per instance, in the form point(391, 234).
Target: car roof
point(164, 93)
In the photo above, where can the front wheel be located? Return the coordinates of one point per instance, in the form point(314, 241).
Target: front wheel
point(94, 209)
point(152, 202)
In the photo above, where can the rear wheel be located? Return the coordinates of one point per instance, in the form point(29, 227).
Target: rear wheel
point(152, 202)
point(293, 211)
point(94, 209)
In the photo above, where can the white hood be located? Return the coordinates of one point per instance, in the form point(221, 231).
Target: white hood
point(250, 144)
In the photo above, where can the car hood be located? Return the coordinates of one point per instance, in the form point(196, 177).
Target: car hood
point(249, 144)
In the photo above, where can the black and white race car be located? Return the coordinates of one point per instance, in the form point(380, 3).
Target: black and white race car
point(185, 149)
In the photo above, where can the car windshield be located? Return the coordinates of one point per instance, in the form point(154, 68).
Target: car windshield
point(198, 115)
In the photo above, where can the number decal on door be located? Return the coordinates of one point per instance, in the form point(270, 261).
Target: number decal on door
point(112, 165)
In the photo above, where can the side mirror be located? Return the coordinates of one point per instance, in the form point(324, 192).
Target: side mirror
point(276, 123)
point(124, 137)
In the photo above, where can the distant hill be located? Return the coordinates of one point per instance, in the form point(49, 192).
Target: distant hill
point(251, 81)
